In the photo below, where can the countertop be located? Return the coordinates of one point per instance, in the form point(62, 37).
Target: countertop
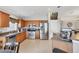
point(9, 34)
point(57, 37)
point(75, 36)
point(61, 44)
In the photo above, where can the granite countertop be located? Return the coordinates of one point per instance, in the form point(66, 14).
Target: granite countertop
point(7, 34)
point(11, 34)
point(57, 37)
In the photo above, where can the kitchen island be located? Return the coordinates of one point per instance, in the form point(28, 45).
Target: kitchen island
point(11, 37)
point(76, 43)
point(7, 37)
point(10, 42)
point(57, 42)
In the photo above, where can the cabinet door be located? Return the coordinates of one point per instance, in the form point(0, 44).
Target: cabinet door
point(75, 46)
point(20, 37)
point(23, 35)
point(4, 19)
point(65, 46)
point(2, 42)
point(21, 23)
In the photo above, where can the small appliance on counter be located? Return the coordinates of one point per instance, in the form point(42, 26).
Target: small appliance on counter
point(66, 34)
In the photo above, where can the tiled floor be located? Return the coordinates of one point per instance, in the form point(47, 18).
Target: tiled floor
point(36, 46)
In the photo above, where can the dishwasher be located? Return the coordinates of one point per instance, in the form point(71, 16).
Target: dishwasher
point(31, 34)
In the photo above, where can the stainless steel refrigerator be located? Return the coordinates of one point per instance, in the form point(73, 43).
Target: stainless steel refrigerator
point(43, 31)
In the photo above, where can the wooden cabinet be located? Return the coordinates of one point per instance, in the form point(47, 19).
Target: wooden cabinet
point(2, 42)
point(4, 19)
point(65, 46)
point(21, 37)
point(37, 23)
point(75, 46)
point(18, 37)
point(21, 23)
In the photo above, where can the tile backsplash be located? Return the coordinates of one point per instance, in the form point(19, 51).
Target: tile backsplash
point(3, 29)
point(12, 26)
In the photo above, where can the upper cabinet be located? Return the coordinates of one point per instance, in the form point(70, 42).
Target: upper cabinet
point(4, 19)
point(21, 23)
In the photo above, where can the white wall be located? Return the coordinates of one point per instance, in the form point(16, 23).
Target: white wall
point(73, 20)
point(75, 46)
point(54, 27)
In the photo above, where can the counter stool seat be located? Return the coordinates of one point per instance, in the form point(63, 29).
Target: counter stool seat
point(13, 46)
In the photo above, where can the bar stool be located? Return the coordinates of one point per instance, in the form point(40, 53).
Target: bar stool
point(13, 46)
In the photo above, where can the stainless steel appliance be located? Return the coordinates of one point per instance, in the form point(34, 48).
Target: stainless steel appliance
point(66, 34)
point(31, 34)
point(43, 31)
point(31, 31)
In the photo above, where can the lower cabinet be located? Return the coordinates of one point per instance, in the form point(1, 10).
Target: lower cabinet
point(75, 46)
point(65, 46)
point(21, 37)
point(2, 42)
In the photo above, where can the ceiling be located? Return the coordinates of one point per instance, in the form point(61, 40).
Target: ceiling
point(27, 11)
point(40, 12)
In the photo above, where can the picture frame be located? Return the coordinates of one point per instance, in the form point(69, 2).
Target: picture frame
point(54, 16)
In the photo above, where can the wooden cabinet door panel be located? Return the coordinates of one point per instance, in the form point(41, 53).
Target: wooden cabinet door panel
point(18, 37)
point(3, 40)
point(37, 23)
point(4, 19)
point(21, 22)
point(21, 36)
